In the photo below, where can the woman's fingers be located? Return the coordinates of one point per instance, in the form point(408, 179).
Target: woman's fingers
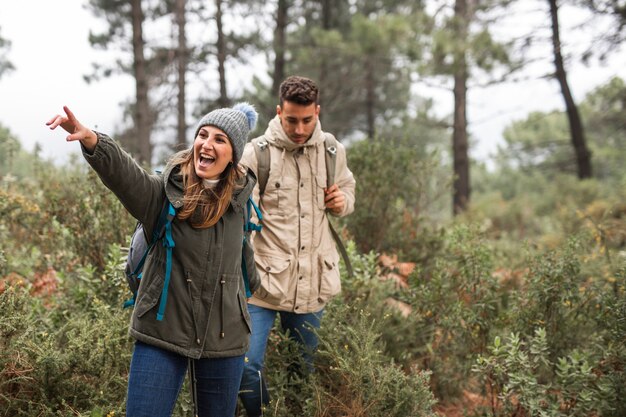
point(69, 123)
point(76, 130)
point(70, 115)
point(55, 121)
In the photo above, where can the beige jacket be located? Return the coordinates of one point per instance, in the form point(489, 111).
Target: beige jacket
point(295, 253)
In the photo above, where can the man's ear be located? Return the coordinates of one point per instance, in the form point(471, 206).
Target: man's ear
point(278, 109)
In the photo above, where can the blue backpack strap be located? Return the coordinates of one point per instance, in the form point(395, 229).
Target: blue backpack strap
point(249, 226)
point(246, 280)
point(157, 233)
point(168, 242)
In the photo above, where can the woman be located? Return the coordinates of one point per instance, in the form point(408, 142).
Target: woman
point(206, 321)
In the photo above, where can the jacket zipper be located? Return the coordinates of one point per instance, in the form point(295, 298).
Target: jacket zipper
point(193, 313)
point(222, 282)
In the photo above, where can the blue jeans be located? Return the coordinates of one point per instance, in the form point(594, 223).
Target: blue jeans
point(253, 393)
point(156, 376)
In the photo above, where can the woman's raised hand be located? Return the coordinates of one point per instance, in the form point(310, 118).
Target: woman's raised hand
point(75, 129)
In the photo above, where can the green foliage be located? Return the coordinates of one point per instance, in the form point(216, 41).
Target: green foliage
point(565, 353)
point(403, 187)
point(523, 379)
point(354, 377)
point(13, 159)
point(361, 55)
point(554, 300)
point(541, 141)
point(64, 356)
point(526, 289)
point(543, 213)
point(61, 217)
point(354, 372)
point(5, 64)
point(603, 111)
point(462, 303)
point(471, 37)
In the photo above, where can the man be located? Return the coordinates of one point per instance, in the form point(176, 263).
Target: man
point(295, 252)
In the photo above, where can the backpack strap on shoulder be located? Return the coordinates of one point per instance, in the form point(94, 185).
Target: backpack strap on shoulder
point(144, 243)
point(248, 226)
point(262, 152)
point(330, 144)
point(168, 242)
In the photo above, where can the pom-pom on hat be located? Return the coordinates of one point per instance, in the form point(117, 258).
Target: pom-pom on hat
point(236, 122)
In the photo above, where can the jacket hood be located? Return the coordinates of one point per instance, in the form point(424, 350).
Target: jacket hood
point(174, 190)
point(276, 135)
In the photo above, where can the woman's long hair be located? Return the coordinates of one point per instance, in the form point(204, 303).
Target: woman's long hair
point(204, 206)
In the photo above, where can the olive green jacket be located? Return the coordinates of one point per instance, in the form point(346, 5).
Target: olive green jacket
point(206, 313)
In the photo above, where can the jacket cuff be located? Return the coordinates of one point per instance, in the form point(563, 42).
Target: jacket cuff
point(99, 150)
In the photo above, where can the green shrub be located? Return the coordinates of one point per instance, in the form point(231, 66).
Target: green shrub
point(461, 303)
point(523, 380)
point(400, 193)
point(356, 370)
point(70, 355)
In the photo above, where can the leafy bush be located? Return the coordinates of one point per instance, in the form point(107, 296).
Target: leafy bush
point(522, 379)
point(400, 188)
point(354, 376)
point(536, 265)
point(565, 356)
point(461, 303)
point(68, 357)
point(355, 370)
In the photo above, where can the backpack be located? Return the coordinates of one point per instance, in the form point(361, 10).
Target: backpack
point(263, 169)
point(139, 249)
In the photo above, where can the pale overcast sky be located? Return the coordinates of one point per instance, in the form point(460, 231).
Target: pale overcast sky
point(51, 53)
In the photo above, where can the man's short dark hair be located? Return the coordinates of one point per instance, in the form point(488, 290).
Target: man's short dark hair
point(299, 90)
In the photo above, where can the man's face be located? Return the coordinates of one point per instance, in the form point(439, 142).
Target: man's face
point(298, 121)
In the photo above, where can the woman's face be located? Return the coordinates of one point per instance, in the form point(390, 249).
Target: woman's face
point(212, 152)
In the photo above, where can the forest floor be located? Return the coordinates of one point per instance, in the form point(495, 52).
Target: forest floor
point(470, 404)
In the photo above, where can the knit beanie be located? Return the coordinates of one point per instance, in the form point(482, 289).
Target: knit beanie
point(236, 122)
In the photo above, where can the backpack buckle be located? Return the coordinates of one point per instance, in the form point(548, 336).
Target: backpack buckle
point(332, 150)
point(262, 144)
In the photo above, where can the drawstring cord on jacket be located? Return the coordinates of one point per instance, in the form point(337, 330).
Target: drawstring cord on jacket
point(282, 162)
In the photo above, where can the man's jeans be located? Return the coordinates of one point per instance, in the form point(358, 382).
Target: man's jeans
point(253, 392)
point(156, 376)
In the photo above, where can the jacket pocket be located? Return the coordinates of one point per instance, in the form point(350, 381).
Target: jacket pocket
point(329, 280)
point(149, 293)
point(275, 274)
point(192, 304)
point(243, 306)
point(320, 182)
point(278, 195)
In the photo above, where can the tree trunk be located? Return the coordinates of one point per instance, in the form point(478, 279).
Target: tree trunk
point(223, 100)
point(323, 61)
point(370, 97)
point(181, 127)
point(583, 156)
point(461, 187)
point(280, 45)
point(142, 107)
